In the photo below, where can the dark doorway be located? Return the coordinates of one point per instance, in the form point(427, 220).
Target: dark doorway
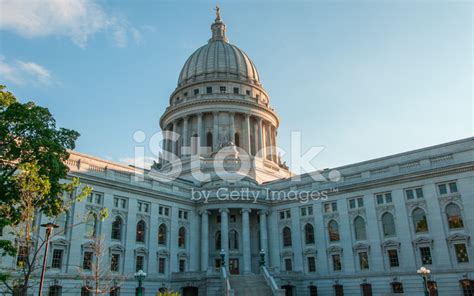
point(289, 290)
point(234, 266)
point(190, 291)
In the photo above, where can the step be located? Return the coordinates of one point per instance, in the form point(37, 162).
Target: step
point(250, 285)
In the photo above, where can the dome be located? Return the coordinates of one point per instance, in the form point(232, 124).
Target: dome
point(218, 60)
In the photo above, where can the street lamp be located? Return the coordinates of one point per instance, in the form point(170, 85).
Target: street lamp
point(140, 276)
point(49, 229)
point(424, 273)
point(262, 257)
point(222, 257)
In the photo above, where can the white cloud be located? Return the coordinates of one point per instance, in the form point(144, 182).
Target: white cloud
point(21, 73)
point(77, 20)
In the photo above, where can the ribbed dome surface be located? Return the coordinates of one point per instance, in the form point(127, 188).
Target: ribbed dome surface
point(218, 60)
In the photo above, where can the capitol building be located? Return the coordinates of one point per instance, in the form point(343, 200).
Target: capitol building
point(220, 214)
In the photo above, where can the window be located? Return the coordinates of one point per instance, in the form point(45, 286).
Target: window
point(467, 287)
point(236, 90)
point(306, 211)
point(57, 260)
point(313, 291)
point(309, 234)
point(461, 253)
point(425, 253)
point(336, 262)
point(182, 237)
point(393, 258)
point(432, 288)
point(120, 202)
point(366, 289)
point(196, 91)
point(22, 256)
point(87, 261)
point(363, 260)
point(140, 233)
point(161, 265)
point(85, 291)
point(339, 290)
point(218, 241)
point(419, 220)
point(182, 214)
point(286, 237)
point(91, 225)
point(311, 264)
point(185, 94)
point(237, 139)
point(288, 264)
point(139, 263)
point(333, 230)
point(182, 265)
point(117, 228)
point(222, 89)
point(330, 207)
point(247, 92)
point(414, 193)
point(383, 198)
point(55, 290)
point(285, 214)
point(115, 262)
point(162, 234)
point(397, 287)
point(163, 211)
point(95, 198)
point(143, 207)
point(359, 228)
point(115, 291)
point(453, 213)
point(388, 224)
point(209, 90)
point(447, 188)
point(233, 240)
point(209, 139)
point(355, 203)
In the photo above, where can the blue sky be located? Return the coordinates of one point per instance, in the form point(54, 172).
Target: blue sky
point(363, 79)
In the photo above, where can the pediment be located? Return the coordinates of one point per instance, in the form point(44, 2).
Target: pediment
point(458, 237)
point(391, 244)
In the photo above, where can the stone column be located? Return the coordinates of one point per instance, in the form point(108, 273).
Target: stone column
point(185, 138)
point(275, 151)
point(270, 142)
point(225, 234)
point(264, 235)
point(246, 240)
point(215, 132)
point(255, 137)
point(246, 134)
point(174, 145)
point(199, 132)
point(232, 127)
point(260, 137)
point(204, 240)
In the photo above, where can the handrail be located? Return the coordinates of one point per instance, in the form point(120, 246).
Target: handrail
point(271, 282)
point(226, 283)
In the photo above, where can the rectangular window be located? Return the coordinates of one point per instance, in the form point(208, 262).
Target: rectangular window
point(182, 265)
point(185, 94)
point(116, 202)
point(143, 207)
point(222, 89)
point(379, 199)
point(419, 192)
point(288, 264)
point(447, 188)
point(363, 260)
point(461, 253)
point(336, 262)
point(57, 260)
point(311, 264)
point(425, 253)
point(139, 263)
point(303, 212)
point(87, 261)
point(95, 198)
point(120, 202)
point(413, 193)
point(397, 287)
point(330, 207)
point(161, 265)
point(163, 211)
point(443, 189)
point(236, 90)
point(453, 188)
point(196, 91)
point(393, 258)
point(115, 262)
point(338, 290)
point(383, 198)
point(282, 215)
point(310, 210)
point(352, 203)
point(209, 90)
point(247, 92)
point(288, 214)
point(233, 218)
point(123, 203)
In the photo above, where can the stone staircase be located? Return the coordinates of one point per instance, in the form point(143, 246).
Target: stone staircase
point(250, 285)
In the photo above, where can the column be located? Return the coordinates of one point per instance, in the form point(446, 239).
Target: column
point(215, 131)
point(174, 144)
point(275, 157)
point(246, 134)
point(246, 240)
point(185, 138)
point(264, 235)
point(204, 240)
point(260, 138)
point(199, 132)
point(225, 234)
point(232, 127)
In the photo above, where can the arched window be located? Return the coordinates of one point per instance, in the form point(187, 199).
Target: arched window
point(333, 230)
point(182, 237)
point(359, 228)
point(453, 213)
point(309, 234)
point(286, 237)
point(218, 241)
point(140, 234)
point(209, 140)
point(117, 228)
point(91, 224)
point(61, 221)
point(162, 234)
point(419, 220)
point(233, 240)
point(237, 139)
point(388, 224)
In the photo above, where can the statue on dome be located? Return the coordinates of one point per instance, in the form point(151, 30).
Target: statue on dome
point(218, 13)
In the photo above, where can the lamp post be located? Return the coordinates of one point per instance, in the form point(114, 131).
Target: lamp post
point(49, 229)
point(140, 276)
point(222, 253)
point(424, 273)
point(262, 257)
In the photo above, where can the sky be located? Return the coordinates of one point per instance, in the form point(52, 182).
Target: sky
point(363, 79)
